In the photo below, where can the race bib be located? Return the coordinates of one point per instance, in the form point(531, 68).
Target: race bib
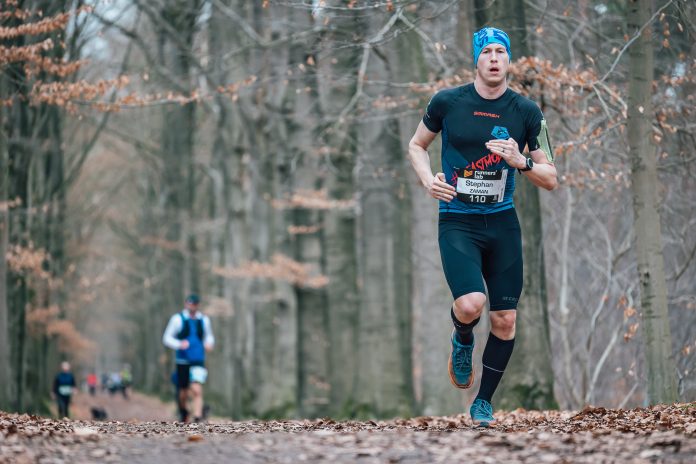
point(481, 186)
point(65, 390)
point(198, 374)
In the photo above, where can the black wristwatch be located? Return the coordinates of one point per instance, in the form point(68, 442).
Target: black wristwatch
point(529, 165)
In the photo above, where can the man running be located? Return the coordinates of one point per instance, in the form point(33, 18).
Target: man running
point(63, 385)
point(189, 333)
point(485, 127)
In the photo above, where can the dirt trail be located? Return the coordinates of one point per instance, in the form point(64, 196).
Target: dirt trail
point(658, 434)
point(137, 407)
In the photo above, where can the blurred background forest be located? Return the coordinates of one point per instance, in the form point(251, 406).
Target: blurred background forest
point(254, 152)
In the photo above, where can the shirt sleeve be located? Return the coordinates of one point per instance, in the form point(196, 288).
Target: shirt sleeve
point(208, 338)
point(173, 327)
point(435, 112)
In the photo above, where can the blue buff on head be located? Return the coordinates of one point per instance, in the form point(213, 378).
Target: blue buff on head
point(487, 36)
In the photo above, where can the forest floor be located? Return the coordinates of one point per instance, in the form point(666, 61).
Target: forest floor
point(137, 407)
point(657, 434)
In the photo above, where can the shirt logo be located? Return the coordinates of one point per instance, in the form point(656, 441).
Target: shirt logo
point(486, 115)
point(500, 132)
point(491, 160)
point(486, 175)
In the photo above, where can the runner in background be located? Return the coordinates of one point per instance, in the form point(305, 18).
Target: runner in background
point(92, 383)
point(126, 380)
point(189, 333)
point(63, 386)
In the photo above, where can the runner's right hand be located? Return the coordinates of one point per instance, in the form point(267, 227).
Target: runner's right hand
point(184, 345)
point(440, 189)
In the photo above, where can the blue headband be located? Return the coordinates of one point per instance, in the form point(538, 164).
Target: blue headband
point(487, 36)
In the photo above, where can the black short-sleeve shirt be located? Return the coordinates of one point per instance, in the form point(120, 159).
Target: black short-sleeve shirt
point(467, 122)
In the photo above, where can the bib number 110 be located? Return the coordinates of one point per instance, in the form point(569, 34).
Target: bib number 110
point(477, 199)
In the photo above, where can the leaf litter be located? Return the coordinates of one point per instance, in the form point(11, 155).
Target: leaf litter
point(664, 433)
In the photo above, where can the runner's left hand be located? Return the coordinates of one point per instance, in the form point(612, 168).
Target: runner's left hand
point(509, 151)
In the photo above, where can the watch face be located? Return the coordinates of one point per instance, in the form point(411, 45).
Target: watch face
point(530, 163)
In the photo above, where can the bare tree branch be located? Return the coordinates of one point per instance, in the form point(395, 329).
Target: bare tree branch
point(633, 39)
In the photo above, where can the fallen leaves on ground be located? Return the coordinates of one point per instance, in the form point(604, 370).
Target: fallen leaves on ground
point(595, 434)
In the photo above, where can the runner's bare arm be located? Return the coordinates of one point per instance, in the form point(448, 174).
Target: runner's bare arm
point(418, 155)
point(543, 174)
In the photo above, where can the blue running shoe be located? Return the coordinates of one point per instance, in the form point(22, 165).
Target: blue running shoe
point(461, 368)
point(482, 413)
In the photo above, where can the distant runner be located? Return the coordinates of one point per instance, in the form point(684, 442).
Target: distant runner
point(190, 334)
point(126, 380)
point(92, 383)
point(63, 386)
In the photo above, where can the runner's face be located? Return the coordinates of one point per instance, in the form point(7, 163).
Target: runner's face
point(493, 63)
point(193, 307)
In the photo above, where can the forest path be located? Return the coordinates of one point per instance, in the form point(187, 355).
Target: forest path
point(658, 434)
point(137, 407)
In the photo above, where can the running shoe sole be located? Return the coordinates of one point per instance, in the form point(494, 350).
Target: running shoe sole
point(483, 423)
point(484, 419)
point(453, 379)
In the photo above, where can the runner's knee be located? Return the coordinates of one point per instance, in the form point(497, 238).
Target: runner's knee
point(470, 306)
point(503, 323)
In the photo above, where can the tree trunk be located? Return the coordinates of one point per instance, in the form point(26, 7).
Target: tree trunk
point(20, 157)
point(173, 271)
point(5, 365)
point(312, 321)
point(303, 166)
point(33, 174)
point(339, 224)
point(273, 320)
point(657, 339)
point(384, 382)
point(47, 353)
point(431, 297)
point(230, 242)
point(528, 379)
point(481, 14)
point(466, 26)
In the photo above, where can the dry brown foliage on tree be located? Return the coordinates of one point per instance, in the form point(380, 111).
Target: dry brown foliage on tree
point(280, 268)
point(317, 200)
point(27, 58)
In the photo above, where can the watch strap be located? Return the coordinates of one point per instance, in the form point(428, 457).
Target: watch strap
point(528, 167)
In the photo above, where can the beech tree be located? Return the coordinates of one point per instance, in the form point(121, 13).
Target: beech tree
point(657, 336)
point(36, 93)
point(255, 152)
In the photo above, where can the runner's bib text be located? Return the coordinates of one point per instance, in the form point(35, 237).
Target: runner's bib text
point(481, 186)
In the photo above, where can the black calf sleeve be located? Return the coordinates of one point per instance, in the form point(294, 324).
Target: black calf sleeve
point(464, 331)
point(495, 359)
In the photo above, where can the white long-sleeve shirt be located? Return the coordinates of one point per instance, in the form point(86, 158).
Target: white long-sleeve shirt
point(175, 325)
